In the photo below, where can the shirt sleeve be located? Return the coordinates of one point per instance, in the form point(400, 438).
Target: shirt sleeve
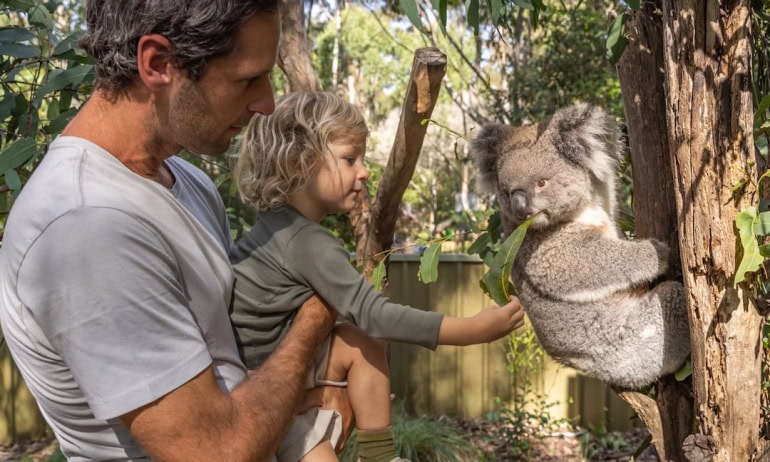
point(319, 259)
point(106, 291)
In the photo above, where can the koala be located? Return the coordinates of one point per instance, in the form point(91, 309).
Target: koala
point(589, 292)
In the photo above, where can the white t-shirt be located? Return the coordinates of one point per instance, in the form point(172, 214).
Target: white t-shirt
point(114, 291)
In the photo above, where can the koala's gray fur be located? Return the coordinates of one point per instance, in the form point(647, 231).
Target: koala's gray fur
point(585, 288)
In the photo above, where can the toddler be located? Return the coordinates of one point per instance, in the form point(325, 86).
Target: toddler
point(302, 162)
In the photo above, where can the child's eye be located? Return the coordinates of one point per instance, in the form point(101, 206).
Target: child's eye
point(351, 160)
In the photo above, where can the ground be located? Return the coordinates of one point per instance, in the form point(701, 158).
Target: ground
point(560, 447)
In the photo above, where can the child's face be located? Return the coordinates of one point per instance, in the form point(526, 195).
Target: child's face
point(339, 181)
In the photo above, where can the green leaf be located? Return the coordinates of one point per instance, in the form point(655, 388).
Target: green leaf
point(16, 34)
point(495, 8)
point(20, 5)
point(7, 105)
point(410, 9)
point(18, 50)
point(12, 180)
point(16, 154)
point(764, 105)
point(429, 264)
point(441, 7)
point(70, 77)
point(752, 259)
point(764, 250)
point(69, 43)
point(684, 371)
point(523, 4)
point(616, 38)
point(498, 278)
point(762, 224)
point(378, 275)
point(58, 124)
point(472, 11)
point(634, 4)
point(480, 244)
point(40, 16)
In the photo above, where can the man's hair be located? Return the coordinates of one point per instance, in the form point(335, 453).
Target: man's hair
point(199, 31)
point(283, 151)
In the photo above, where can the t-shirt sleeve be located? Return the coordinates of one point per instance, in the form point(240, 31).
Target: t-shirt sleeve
point(106, 291)
point(319, 259)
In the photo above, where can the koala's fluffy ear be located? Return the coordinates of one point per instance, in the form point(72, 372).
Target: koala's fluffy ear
point(487, 147)
point(587, 136)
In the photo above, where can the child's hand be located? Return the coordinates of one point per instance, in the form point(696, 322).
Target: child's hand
point(490, 324)
point(496, 322)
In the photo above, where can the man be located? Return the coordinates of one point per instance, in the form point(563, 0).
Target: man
point(114, 275)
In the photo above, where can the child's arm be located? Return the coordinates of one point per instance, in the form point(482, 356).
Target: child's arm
point(489, 324)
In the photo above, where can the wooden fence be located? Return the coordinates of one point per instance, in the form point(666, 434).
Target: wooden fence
point(453, 381)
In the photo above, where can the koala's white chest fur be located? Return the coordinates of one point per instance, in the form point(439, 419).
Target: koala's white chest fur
point(597, 217)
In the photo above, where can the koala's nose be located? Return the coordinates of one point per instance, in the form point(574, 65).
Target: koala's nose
point(519, 202)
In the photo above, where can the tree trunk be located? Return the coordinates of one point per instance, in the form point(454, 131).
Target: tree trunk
point(668, 417)
point(707, 53)
point(293, 53)
point(374, 223)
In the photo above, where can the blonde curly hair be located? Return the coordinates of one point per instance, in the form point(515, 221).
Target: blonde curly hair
point(281, 152)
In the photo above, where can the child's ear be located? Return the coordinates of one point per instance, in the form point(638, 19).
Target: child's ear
point(154, 61)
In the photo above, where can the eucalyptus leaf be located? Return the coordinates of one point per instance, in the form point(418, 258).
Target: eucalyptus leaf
point(762, 224)
point(7, 105)
point(12, 180)
point(17, 50)
point(634, 4)
point(429, 264)
point(764, 250)
point(378, 275)
point(71, 77)
point(69, 43)
point(23, 5)
point(410, 9)
point(684, 371)
point(40, 16)
point(752, 259)
point(498, 278)
point(480, 244)
point(523, 4)
point(472, 14)
point(495, 8)
point(764, 105)
point(616, 38)
point(16, 154)
point(58, 124)
point(16, 34)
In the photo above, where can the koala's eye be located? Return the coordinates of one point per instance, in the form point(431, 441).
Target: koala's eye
point(541, 183)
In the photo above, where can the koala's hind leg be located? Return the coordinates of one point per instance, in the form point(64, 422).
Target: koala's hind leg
point(667, 300)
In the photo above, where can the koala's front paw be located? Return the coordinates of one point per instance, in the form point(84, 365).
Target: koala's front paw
point(662, 251)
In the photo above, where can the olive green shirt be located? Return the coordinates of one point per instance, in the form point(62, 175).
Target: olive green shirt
point(283, 261)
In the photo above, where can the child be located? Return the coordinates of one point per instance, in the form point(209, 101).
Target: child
point(297, 165)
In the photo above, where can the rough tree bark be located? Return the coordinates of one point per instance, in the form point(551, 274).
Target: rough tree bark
point(707, 53)
point(375, 222)
point(668, 417)
point(293, 53)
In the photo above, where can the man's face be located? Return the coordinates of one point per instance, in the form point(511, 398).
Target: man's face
point(204, 116)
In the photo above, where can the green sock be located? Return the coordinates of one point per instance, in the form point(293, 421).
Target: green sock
point(376, 446)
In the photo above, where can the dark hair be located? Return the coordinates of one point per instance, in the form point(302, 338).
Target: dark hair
point(199, 30)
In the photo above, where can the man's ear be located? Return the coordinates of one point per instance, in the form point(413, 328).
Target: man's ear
point(154, 61)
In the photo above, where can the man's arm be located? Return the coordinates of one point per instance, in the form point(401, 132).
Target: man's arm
point(198, 421)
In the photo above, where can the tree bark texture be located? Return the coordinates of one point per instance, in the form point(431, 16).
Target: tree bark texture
point(376, 234)
point(641, 70)
point(709, 110)
point(293, 53)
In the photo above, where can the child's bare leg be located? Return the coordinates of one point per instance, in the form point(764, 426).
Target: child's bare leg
point(324, 452)
point(362, 361)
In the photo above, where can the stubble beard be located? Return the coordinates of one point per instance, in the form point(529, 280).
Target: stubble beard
point(189, 120)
